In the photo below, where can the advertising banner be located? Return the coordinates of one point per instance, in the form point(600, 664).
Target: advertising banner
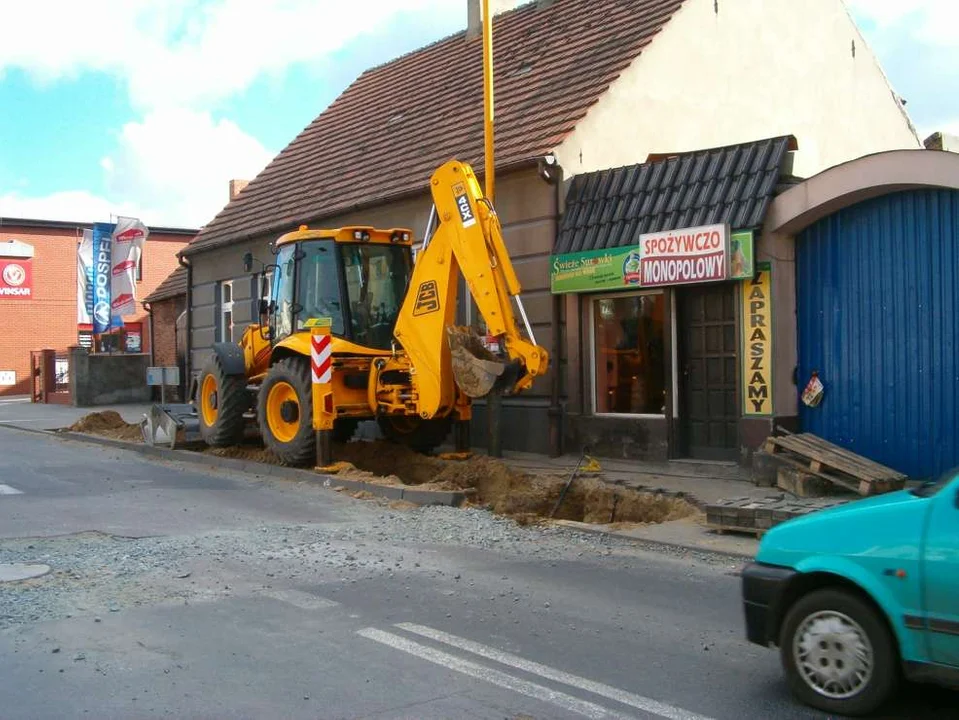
point(757, 342)
point(612, 269)
point(102, 296)
point(16, 278)
point(85, 279)
point(741, 265)
point(680, 257)
point(126, 249)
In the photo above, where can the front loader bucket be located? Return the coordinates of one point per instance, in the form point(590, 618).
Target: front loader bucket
point(475, 368)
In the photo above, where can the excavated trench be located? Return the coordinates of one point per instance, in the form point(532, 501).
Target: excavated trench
point(527, 497)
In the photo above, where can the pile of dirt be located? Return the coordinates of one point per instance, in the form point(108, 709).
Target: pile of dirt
point(253, 453)
point(505, 490)
point(107, 424)
point(527, 497)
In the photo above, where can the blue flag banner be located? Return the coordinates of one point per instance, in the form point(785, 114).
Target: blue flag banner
point(102, 251)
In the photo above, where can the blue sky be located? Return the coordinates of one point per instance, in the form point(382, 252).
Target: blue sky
point(178, 96)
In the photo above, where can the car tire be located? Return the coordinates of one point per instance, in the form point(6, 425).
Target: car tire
point(838, 653)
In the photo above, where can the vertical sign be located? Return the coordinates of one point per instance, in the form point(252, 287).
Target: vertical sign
point(741, 266)
point(757, 351)
point(102, 295)
point(85, 279)
point(16, 278)
point(125, 251)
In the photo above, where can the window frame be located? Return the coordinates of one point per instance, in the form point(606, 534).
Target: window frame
point(224, 308)
point(669, 328)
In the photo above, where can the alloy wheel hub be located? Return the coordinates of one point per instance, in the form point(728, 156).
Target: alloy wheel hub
point(833, 654)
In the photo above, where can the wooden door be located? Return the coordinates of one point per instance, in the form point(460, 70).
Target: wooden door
point(708, 365)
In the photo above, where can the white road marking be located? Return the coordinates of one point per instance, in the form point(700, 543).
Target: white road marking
point(607, 691)
point(300, 599)
point(7, 490)
point(481, 672)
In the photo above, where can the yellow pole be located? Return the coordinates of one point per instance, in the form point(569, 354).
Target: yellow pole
point(488, 122)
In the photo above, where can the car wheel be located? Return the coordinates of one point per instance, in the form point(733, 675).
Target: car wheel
point(838, 654)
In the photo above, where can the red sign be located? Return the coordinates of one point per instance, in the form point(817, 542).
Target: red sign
point(130, 235)
point(16, 278)
point(684, 256)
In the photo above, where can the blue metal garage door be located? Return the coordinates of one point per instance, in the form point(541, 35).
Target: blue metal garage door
point(877, 289)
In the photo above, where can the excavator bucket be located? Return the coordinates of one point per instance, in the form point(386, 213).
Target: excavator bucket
point(475, 368)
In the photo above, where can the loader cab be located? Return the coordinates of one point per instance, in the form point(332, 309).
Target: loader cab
point(355, 276)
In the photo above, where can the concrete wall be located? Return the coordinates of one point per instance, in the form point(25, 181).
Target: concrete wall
point(108, 379)
point(527, 209)
point(752, 69)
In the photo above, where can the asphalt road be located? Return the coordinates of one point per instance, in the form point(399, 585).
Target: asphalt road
point(179, 593)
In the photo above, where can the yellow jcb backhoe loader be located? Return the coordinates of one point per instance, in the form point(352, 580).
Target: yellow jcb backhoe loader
point(397, 356)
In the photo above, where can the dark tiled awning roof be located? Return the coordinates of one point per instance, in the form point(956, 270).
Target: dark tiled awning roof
point(733, 184)
point(386, 133)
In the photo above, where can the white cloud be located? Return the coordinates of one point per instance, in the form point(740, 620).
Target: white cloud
point(181, 161)
point(69, 205)
point(178, 60)
point(188, 53)
point(172, 168)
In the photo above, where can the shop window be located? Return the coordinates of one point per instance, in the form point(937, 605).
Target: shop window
point(133, 340)
point(225, 329)
point(629, 363)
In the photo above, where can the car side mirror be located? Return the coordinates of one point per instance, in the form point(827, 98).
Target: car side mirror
point(264, 308)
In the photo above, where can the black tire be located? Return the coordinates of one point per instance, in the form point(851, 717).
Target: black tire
point(230, 400)
point(300, 449)
point(423, 436)
point(884, 677)
point(344, 430)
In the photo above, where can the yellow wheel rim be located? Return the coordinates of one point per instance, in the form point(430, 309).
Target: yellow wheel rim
point(282, 429)
point(208, 400)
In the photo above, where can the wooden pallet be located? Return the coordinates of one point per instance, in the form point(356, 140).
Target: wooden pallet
point(814, 455)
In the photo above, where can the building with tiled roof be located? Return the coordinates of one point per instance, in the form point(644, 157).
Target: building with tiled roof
point(582, 86)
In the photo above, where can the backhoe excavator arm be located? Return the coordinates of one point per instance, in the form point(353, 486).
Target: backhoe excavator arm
point(468, 241)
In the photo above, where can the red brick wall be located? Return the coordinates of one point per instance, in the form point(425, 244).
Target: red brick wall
point(165, 314)
point(49, 318)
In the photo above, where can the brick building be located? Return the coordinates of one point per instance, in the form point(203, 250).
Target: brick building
point(167, 308)
point(38, 291)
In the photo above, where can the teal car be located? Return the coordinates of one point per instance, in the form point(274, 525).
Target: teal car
point(861, 595)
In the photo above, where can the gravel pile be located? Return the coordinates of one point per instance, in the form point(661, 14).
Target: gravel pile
point(95, 573)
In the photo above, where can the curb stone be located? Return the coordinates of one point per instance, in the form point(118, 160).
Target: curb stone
point(390, 492)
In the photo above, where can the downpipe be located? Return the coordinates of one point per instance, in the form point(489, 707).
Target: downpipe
point(187, 380)
point(554, 174)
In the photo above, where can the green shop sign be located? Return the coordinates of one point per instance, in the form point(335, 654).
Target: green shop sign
point(612, 269)
point(619, 268)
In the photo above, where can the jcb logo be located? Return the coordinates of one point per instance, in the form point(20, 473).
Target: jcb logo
point(463, 205)
point(427, 299)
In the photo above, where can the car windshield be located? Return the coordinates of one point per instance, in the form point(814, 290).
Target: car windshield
point(930, 488)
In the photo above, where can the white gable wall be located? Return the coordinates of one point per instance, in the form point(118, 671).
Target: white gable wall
point(755, 69)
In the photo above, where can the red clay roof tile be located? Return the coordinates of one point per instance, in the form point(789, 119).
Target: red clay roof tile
point(387, 132)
